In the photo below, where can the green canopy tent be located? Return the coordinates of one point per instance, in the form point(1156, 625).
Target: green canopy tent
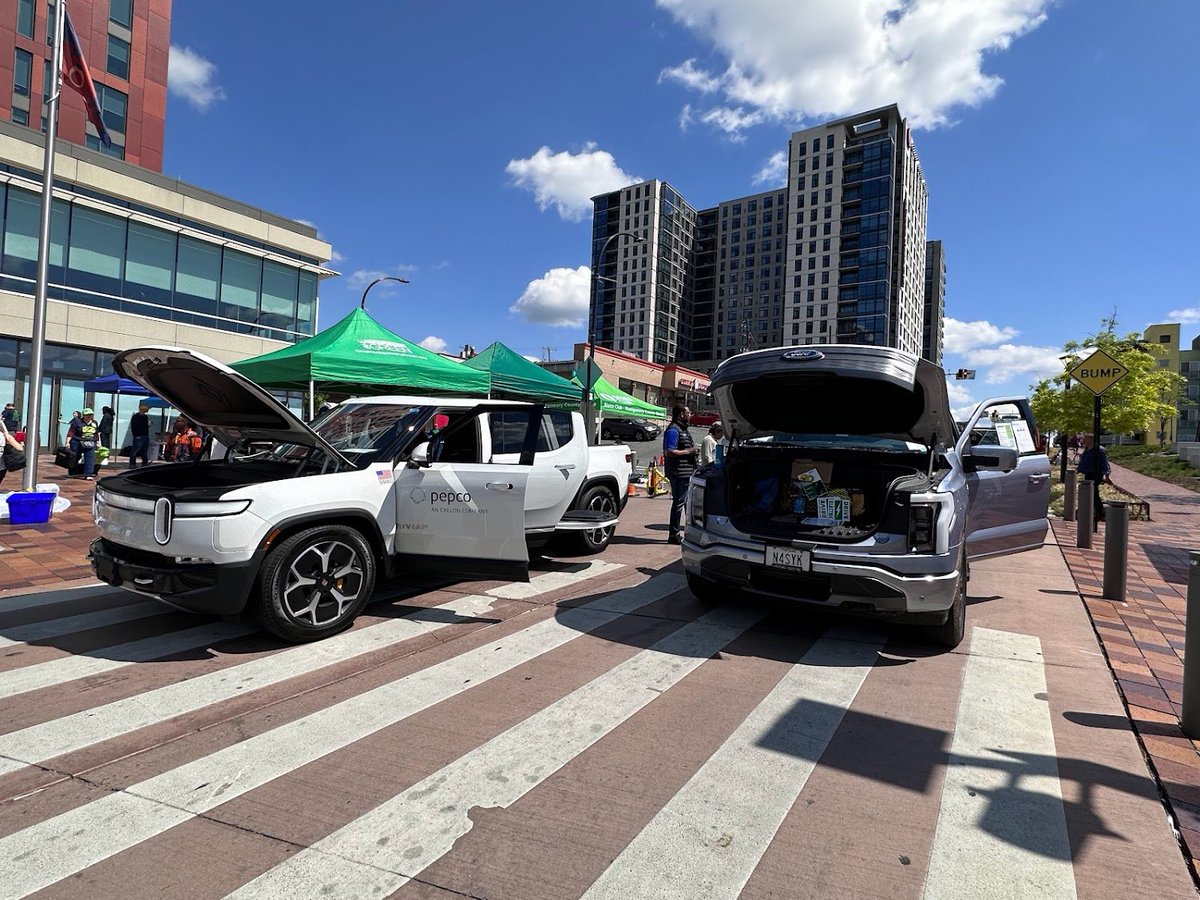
point(612, 401)
point(515, 377)
point(358, 355)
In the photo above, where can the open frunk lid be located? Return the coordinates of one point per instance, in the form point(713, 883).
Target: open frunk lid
point(834, 389)
point(230, 405)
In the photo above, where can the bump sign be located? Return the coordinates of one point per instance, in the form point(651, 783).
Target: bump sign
point(1099, 372)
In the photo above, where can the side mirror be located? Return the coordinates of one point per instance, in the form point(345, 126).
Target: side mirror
point(990, 459)
point(419, 458)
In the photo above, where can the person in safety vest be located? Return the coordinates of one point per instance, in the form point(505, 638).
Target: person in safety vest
point(186, 441)
point(83, 437)
point(680, 453)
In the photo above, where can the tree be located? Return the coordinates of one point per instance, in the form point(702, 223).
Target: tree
point(1147, 395)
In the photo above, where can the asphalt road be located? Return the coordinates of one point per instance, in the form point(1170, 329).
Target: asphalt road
point(596, 732)
point(647, 449)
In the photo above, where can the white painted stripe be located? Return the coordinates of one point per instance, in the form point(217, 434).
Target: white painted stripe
point(423, 822)
point(17, 603)
point(1001, 828)
point(39, 631)
point(91, 726)
point(707, 841)
point(59, 847)
point(552, 581)
point(106, 659)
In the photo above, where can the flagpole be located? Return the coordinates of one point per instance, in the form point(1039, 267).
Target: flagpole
point(33, 416)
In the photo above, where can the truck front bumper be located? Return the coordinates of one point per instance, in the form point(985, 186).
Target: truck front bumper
point(849, 586)
point(200, 587)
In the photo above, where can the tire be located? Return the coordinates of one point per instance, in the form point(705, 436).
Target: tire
point(642, 436)
point(605, 435)
point(708, 592)
point(950, 633)
point(600, 499)
point(337, 561)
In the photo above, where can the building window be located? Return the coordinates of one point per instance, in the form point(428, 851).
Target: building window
point(20, 116)
point(25, 18)
point(46, 85)
point(115, 105)
point(118, 57)
point(241, 278)
point(92, 142)
point(121, 12)
point(50, 11)
point(22, 72)
point(96, 252)
point(149, 262)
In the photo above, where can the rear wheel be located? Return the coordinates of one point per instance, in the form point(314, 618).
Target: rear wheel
point(315, 583)
point(950, 633)
point(596, 499)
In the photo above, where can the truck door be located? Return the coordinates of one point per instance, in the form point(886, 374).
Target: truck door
point(559, 469)
point(1006, 510)
point(460, 514)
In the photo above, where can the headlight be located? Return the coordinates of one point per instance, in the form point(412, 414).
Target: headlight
point(211, 508)
point(922, 534)
point(696, 504)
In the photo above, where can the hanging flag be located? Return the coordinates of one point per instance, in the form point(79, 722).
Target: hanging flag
point(75, 73)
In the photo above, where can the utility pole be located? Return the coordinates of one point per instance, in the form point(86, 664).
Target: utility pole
point(549, 352)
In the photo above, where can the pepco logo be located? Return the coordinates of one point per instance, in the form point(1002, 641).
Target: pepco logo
point(418, 495)
point(449, 497)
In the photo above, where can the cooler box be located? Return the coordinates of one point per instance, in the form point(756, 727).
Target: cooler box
point(32, 508)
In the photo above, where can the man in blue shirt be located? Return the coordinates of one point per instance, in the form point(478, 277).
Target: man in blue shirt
point(679, 451)
point(1093, 462)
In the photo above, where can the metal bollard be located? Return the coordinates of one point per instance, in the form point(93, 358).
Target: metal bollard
point(1116, 549)
point(1069, 496)
point(1084, 516)
point(1190, 720)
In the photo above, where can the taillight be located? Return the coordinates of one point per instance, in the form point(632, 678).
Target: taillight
point(696, 504)
point(922, 519)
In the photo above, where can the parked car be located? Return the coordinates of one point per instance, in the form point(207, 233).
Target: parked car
point(909, 499)
point(629, 429)
point(299, 532)
point(705, 417)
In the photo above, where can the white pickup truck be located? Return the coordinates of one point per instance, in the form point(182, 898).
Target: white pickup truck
point(297, 522)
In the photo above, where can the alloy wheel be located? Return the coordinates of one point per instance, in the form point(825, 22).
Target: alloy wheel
point(323, 580)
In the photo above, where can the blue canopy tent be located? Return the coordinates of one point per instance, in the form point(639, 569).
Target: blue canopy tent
point(115, 384)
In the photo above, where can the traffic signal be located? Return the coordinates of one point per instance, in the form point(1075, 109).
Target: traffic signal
point(964, 375)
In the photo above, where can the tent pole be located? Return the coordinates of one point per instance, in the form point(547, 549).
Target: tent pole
point(312, 400)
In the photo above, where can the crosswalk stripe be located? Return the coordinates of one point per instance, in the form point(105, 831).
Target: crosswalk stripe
point(423, 822)
point(61, 595)
point(1001, 828)
point(38, 631)
point(61, 846)
point(708, 839)
point(59, 671)
point(551, 581)
point(69, 668)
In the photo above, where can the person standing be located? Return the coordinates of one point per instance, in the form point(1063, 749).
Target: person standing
point(106, 426)
point(680, 452)
point(139, 428)
point(12, 451)
point(1093, 462)
point(83, 439)
point(708, 447)
point(10, 418)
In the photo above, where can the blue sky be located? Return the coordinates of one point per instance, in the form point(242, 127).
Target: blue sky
point(455, 143)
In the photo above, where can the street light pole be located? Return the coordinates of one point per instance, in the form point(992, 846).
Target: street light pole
point(586, 401)
point(362, 304)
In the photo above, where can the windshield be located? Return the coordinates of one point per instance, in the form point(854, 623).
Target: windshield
point(849, 441)
point(361, 431)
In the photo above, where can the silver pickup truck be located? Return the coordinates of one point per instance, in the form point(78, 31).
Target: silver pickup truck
point(847, 484)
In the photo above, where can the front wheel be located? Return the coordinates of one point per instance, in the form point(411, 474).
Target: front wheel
point(315, 583)
point(950, 633)
point(597, 499)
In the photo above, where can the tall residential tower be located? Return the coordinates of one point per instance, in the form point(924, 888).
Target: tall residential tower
point(935, 302)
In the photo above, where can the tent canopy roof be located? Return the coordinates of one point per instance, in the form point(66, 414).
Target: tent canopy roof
point(358, 355)
point(613, 401)
point(515, 376)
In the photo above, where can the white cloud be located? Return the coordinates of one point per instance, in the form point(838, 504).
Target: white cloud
point(192, 77)
point(1011, 360)
point(959, 337)
point(568, 181)
point(1184, 316)
point(560, 297)
point(432, 343)
point(961, 401)
point(685, 117)
point(335, 257)
point(532, 359)
point(774, 171)
point(836, 57)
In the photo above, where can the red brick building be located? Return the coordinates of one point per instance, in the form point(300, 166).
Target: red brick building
point(126, 44)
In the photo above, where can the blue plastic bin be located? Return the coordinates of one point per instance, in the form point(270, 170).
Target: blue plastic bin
point(31, 508)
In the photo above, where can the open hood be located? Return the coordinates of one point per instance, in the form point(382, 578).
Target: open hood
point(230, 405)
point(834, 389)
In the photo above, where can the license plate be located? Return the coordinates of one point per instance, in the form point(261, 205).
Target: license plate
point(789, 558)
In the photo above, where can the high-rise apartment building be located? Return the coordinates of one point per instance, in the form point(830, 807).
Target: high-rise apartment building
point(643, 290)
point(838, 255)
point(935, 302)
point(126, 44)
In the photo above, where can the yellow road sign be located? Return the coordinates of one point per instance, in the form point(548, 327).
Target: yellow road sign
point(1099, 372)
